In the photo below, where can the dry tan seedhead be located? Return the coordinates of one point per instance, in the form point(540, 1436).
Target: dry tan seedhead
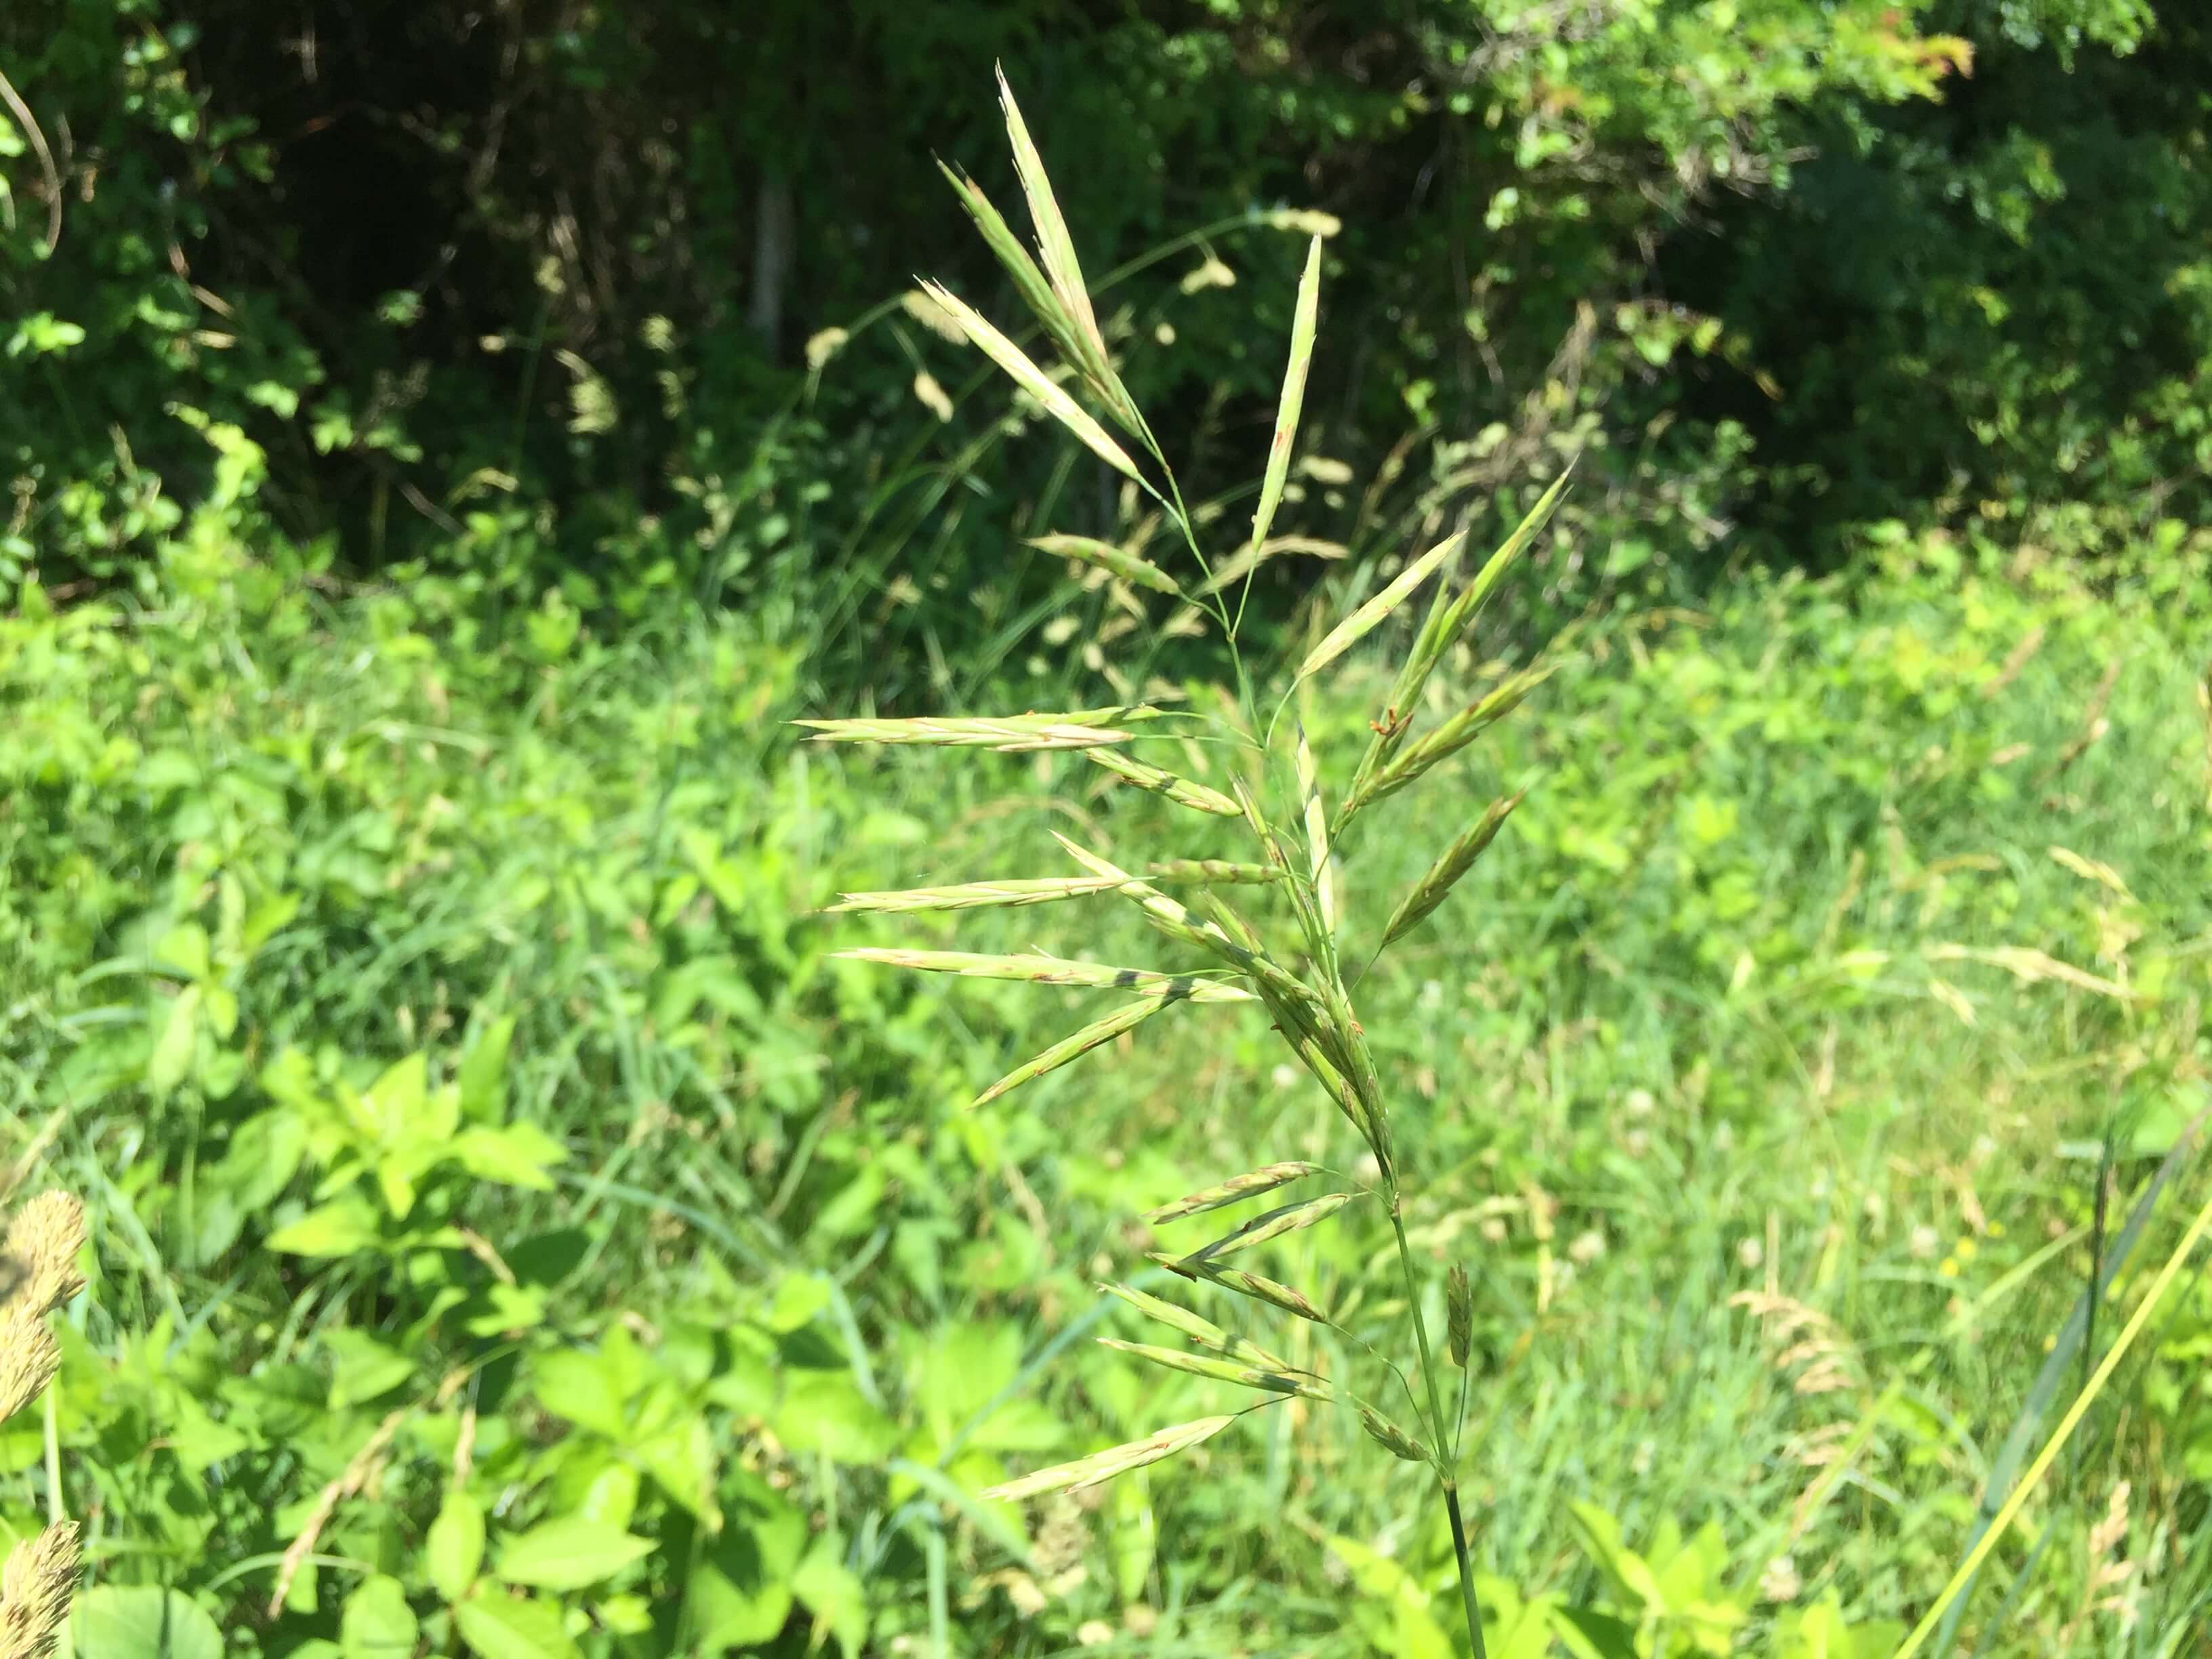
point(34, 1592)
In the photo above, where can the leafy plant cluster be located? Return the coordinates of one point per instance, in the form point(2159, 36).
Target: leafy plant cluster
point(515, 1233)
point(519, 291)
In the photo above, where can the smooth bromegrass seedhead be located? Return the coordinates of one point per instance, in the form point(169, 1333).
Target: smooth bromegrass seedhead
point(1371, 616)
point(1115, 1460)
point(1266, 1229)
point(1437, 883)
point(1212, 872)
point(1114, 560)
point(1447, 740)
point(1053, 970)
point(1235, 1190)
point(1204, 1332)
point(1034, 380)
point(1303, 323)
point(1244, 1284)
point(975, 895)
point(1225, 1370)
point(1392, 1438)
point(1073, 1048)
point(1447, 619)
point(1012, 735)
point(1035, 291)
point(1180, 791)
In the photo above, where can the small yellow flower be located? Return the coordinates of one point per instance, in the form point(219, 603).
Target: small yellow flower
point(1949, 1269)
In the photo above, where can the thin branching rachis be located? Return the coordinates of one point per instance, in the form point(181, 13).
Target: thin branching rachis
point(1303, 986)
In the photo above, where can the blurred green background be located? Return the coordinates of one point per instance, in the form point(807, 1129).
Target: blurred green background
point(447, 444)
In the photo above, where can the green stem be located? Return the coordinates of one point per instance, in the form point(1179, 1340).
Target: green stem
point(1437, 1427)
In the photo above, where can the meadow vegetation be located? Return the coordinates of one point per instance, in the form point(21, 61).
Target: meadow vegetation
point(526, 1219)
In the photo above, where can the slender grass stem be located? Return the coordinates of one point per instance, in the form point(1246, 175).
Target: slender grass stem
point(1446, 1478)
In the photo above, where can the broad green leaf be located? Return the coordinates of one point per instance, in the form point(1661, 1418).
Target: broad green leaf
point(172, 1057)
point(367, 1369)
point(454, 1548)
point(115, 1621)
point(579, 1385)
point(834, 1595)
point(338, 1228)
point(392, 1107)
point(517, 1155)
point(482, 1073)
point(506, 1627)
point(825, 1412)
point(377, 1623)
point(569, 1553)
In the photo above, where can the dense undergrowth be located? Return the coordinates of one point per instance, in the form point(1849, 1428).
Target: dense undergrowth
point(515, 1234)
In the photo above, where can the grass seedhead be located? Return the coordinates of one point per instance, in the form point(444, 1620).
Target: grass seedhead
point(1244, 1284)
point(1447, 740)
point(1371, 616)
point(1235, 1190)
point(1304, 323)
point(1180, 791)
point(1437, 883)
point(1266, 1229)
point(1459, 1316)
point(1223, 1370)
point(1021, 734)
point(1115, 1460)
point(1034, 380)
point(1392, 1438)
point(1115, 561)
point(1073, 1048)
point(976, 895)
point(1203, 1332)
point(1053, 970)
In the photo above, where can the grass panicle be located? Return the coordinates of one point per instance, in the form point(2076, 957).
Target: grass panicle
point(1180, 791)
point(1435, 884)
point(1235, 1190)
point(1115, 561)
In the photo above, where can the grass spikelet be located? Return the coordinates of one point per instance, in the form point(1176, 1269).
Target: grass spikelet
point(43, 1241)
point(1235, 1190)
point(1223, 1370)
point(1053, 970)
point(1447, 620)
point(1437, 883)
point(1392, 1438)
point(1258, 1288)
point(1035, 291)
point(34, 1592)
point(1115, 1460)
point(1447, 740)
point(1032, 380)
point(1213, 872)
point(1017, 735)
point(1114, 560)
point(1459, 1316)
point(1204, 1332)
point(1056, 251)
point(1180, 791)
point(1323, 874)
point(975, 895)
point(1266, 1229)
point(1074, 1047)
point(1371, 616)
point(1303, 323)
point(29, 1356)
